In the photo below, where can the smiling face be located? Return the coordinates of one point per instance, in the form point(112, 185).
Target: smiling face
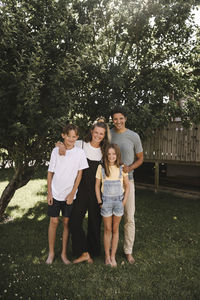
point(119, 121)
point(112, 156)
point(98, 135)
point(70, 139)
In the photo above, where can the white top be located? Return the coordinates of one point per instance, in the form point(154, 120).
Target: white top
point(91, 153)
point(65, 169)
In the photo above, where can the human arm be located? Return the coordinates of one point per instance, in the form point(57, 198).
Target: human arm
point(70, 197)
point(62, 149)
point(126, 188)
point(98, 191)
point(139, 160)
point(98, 185)
point(49, 191)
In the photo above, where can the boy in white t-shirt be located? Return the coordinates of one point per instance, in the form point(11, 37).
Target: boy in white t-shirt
point(64, 176)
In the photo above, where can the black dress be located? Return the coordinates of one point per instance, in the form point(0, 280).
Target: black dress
point(86, 201)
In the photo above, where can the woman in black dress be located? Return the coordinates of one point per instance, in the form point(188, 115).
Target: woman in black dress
point(86, 246)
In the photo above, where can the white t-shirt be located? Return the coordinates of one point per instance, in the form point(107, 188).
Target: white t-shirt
point(91, 153)
point(65, 169)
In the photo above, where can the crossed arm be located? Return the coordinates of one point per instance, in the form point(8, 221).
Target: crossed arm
point(135, 164)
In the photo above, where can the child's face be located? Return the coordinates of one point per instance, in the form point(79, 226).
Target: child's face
point(70, 138)
point(112, 157)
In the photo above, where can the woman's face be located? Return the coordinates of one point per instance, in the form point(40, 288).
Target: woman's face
point(98, 134)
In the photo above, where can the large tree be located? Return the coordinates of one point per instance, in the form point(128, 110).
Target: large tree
point(40, 71)
point(76, 59)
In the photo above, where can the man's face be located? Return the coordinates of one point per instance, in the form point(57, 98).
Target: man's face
point(119, 121)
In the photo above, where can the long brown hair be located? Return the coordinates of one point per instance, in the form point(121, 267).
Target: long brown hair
point(105, 157)
point(104, 142)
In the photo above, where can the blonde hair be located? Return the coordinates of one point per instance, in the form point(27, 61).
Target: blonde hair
point(118, 162)
point(102, 119)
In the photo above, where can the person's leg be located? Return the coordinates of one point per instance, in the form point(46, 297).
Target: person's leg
point(79, 242)
point(129, 223)
point(94, 227)
point(115, 239)
point(65, 240)
point(107, 238)
point(52, 237)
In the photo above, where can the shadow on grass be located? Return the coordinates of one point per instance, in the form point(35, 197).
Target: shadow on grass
point(27, 234)
point(42, 192)
point(166, 251)
point(9, 209)
point(159, 220)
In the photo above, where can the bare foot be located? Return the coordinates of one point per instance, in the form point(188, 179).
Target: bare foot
point(108, 262)
point(65, 260)
point(130, 259)
point(84, 257)
point(113, 262)
point(90, 260)
point(49, 259)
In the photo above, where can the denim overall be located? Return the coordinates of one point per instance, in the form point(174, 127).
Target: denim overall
point(112, 196)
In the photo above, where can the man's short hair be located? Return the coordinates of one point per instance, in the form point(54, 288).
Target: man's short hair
point(119, 110)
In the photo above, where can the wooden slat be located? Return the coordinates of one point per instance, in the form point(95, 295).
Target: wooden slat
point(173, 143)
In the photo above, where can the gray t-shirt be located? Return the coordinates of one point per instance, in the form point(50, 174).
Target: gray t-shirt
point(129, 143)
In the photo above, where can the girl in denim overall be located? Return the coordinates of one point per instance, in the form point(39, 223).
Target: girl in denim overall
point(112, 189)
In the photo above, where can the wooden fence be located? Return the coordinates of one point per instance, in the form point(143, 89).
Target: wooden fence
point(173, 144)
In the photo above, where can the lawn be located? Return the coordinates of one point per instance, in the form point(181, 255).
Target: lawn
point(167, 252)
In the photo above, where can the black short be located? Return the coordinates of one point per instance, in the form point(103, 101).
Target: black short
point(57, 206)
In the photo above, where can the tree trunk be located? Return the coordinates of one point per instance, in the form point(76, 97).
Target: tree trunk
point(20, 178)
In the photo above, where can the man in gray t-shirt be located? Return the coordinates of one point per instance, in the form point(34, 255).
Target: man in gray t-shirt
point(132, 157)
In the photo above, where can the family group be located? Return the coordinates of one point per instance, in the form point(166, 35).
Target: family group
point(94, 176)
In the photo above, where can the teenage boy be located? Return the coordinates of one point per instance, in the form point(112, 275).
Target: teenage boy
point(132, 156)
point(64, 176)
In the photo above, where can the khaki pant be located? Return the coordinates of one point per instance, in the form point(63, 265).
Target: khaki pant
point(129, 221)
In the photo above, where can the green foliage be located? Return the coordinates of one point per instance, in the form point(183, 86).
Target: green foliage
point(74, 58)
point(40, 74)
point(141, 53)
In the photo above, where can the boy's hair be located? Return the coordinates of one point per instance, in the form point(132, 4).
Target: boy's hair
point(68, 127)
point(105, 157)
point(119, 110)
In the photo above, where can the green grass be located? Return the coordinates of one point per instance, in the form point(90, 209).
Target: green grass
point(166, 251)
